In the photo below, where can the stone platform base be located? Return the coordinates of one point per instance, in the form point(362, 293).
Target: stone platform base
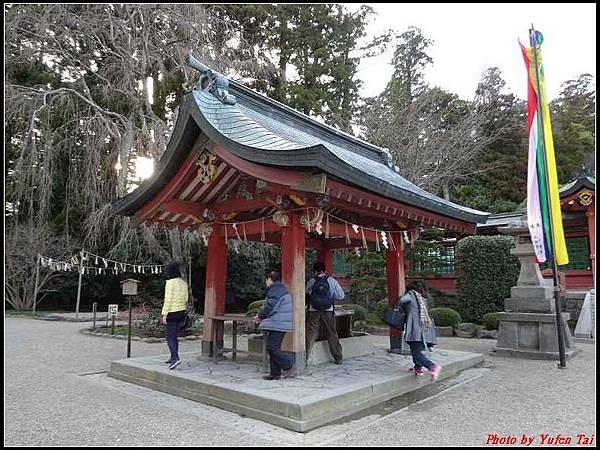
point(534, 355)
point(532, 335)
point(328, 393)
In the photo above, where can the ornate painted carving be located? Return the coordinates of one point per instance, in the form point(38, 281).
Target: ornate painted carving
point(309, 222)
point(243, 190)
point(260, 185)
point(586, 197)
point(281, 219)
point(209, 216)
point(206, 167)
point(323, 200)
point(282, 201)
point(313, 183)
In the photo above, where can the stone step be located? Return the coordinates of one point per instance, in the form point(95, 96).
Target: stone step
point(328, 393)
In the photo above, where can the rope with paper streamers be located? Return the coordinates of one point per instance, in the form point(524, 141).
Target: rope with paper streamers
point(109, 265)
point(382, 237)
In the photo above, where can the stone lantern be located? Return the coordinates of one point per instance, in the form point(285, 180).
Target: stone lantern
point(527, 327)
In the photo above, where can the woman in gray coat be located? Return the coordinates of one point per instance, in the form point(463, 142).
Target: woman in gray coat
point(419, 329)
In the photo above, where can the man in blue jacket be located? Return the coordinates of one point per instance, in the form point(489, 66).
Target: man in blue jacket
point(275, 320)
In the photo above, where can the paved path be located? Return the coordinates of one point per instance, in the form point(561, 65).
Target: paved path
point(49, 402)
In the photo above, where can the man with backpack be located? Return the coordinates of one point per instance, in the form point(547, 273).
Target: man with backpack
point(322, 290)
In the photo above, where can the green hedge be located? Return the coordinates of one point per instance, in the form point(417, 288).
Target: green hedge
point(490, 321)
point(445, 317)
point(485, 272)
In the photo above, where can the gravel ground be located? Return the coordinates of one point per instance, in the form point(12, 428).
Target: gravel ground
point(47, 400)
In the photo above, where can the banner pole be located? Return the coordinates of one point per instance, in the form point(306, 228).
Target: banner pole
point(559, 323)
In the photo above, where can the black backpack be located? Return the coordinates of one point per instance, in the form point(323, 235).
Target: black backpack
point(321, 297)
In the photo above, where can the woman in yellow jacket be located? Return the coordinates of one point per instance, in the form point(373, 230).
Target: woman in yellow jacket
point(174, 310)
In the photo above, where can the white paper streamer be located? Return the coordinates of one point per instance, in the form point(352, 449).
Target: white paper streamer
point(384, 240)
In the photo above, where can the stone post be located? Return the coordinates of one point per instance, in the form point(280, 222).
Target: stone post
point(527, 327)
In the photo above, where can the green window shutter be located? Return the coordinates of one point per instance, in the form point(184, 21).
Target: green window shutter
point(579, 255)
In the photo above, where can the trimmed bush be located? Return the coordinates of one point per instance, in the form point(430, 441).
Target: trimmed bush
point(445, 317)
point(381, 307)
point(485, 272)
point(490, 321)
point(257, 304)
point(252, 312)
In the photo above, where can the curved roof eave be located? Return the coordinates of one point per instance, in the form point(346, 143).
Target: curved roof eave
point(576, 185)
point(192, 118)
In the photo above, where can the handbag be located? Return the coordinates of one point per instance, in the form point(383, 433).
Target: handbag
point(395, 317)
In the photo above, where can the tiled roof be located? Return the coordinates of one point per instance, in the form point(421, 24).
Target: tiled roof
point(259, 129)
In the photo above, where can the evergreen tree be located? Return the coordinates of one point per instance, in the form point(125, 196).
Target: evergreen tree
point(573, 126)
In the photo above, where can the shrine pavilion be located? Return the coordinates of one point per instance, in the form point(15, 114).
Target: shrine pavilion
point(242, 166)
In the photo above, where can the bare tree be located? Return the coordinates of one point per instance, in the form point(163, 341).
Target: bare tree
point(434, 137)
point(79, 82)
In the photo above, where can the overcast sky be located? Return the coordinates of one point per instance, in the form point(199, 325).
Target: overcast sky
point(470, 37)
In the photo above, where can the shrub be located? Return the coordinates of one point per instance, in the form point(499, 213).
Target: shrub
point(445, 317)
point(253, 311)
point(374, 319)
point(490, 321)
point(485, 273)
point(257, 304)
point(360, 313)
point(381, 307)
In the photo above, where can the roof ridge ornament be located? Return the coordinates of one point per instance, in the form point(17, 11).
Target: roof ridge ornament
point(211, 81)
point(387, 157)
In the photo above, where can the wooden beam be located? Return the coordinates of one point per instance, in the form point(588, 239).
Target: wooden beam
point(355, 208)
point(413, 212)
point(240, 204)
point(302, 181)
point(183, 207)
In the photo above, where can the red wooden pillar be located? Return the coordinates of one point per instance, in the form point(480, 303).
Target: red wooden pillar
point(395, 283)
point(591, 219)
point(216, 280)
point(325, 256)
point(292, 271)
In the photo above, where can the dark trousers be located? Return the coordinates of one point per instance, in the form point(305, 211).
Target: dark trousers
point(175, 323)
point(313, 323)
point(417, 350)
point(278, 359)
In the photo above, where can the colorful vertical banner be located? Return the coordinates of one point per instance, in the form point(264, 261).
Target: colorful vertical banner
point(543, 201)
